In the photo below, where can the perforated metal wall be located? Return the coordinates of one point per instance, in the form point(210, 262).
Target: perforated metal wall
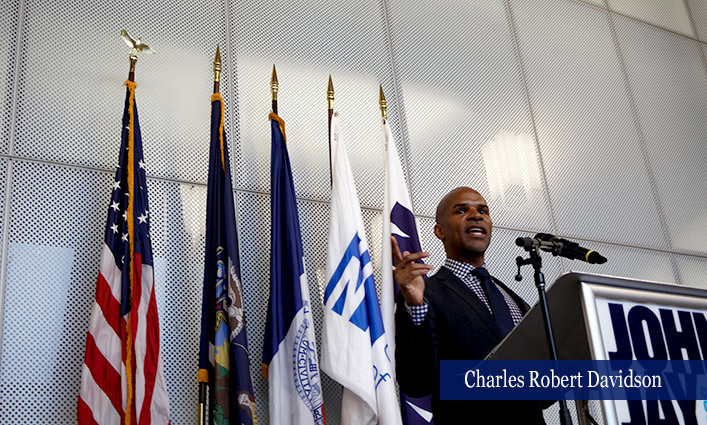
point(670, 14)
point(307, 43)
point(462, 87)
point(177, 214)
point(635, 263)
point(693, 270)
point(3, 179)
point(668, 80)
point(75, 85)
point(57, 223)
point(587, 135)
point(600, 3)
point(580, 118)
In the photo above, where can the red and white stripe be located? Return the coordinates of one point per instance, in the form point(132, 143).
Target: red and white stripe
point(104, 391)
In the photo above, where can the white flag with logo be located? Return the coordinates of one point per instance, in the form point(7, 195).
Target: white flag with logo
point(355, 349)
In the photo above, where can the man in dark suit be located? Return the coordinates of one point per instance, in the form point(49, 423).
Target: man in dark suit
point(460, 313)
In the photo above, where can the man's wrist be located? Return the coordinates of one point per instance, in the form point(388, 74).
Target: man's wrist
point(417, 312)
point(414, 297)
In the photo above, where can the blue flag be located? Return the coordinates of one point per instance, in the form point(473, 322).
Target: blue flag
point(223, 352)
point(289, 351)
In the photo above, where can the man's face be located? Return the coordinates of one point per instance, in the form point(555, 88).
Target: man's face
point(464, 225)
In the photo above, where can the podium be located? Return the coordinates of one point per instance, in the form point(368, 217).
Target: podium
point(595, 315)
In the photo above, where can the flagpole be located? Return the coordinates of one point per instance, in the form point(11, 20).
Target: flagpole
point(133, 61)
point(203, 386)
point(383, 105)
point(202, 403)
point(330, 102)
point(273, 89)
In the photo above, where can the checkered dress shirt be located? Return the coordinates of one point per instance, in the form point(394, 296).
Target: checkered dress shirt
point(463, 271)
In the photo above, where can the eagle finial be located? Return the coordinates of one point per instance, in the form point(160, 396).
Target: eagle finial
point(135, 45)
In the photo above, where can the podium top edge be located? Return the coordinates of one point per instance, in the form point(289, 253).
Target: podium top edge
point(631, 283)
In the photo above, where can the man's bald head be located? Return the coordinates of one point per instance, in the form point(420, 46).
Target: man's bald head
point(444, 203)
point(464, 225)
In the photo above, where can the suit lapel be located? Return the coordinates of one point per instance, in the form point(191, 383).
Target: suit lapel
point(460, 289)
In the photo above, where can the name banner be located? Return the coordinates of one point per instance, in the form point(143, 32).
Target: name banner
point(573, 380)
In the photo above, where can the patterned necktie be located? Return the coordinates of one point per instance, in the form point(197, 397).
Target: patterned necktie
point(498, 304)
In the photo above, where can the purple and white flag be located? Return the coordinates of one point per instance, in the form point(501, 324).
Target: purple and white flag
point(398, 221)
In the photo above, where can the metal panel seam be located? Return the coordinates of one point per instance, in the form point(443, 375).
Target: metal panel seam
point(689, 17)
point(32, 160)
point(231, 91)
point(159, 179)
point(526, 93)
point(694, 30)
point(16, 78)
point(8, 182)
point(398, 102)
point(231, 74)
point(633, 18)
point(588, 3)
point(644, 149)
point(5, 245)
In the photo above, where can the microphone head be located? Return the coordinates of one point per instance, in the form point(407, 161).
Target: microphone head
point(524, 242)
point(595, 258)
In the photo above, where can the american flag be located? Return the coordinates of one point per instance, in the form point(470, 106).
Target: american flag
point(122, 380)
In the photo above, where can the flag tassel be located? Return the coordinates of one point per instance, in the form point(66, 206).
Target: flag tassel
point(130, 347)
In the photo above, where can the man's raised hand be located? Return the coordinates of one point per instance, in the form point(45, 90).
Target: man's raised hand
point(409, 274)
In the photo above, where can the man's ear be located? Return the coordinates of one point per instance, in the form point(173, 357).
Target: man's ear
point(438, 232)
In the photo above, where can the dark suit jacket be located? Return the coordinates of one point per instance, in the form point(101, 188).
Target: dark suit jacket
point(458, 326)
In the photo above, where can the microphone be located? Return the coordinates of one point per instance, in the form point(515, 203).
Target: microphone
point(561, 247)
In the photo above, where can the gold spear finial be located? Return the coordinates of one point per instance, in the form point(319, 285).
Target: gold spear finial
point(273, 83)
point(217, 69)
point(217, 64)
point(330, 94)
point(274, 86)
point(383, 104)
